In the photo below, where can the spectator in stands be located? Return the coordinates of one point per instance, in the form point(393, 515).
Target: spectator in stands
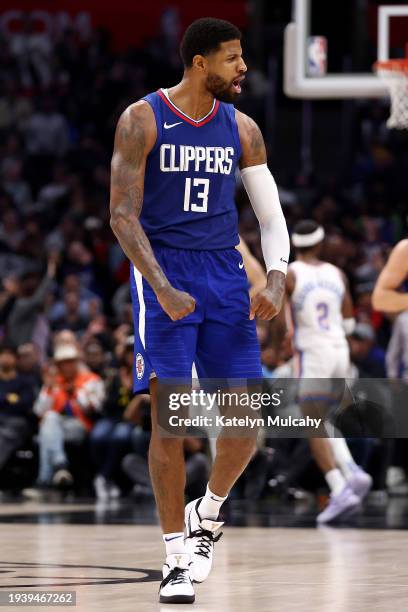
point(365, 354)
point(72, 318)
point(121, 301)
point(54, 194)
point(80, 261)
point(110, 438)
point(123, 338)
point(89, 302)
point(26, 322)
point(62, 234)
point(46, 131)
point(16, 406)
point(65, 336)
point(15, 108)
point(29, 364)
point(15, 185)
point(96, 359)
point(11, 234)
point(7, 298)
point(68, 404)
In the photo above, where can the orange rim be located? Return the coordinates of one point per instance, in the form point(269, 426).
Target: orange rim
point(398, 65)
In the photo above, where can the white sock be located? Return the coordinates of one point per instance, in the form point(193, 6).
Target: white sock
point(343, 457)
point(335, 480)
point(174, 543)
point(210, 505)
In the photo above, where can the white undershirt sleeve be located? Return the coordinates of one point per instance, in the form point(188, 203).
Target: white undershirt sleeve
point(263, 194)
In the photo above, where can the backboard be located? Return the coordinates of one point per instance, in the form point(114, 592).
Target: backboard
point(335, 85)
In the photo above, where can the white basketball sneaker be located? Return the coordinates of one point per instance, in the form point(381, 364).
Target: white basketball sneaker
point(176, 586)
point(360, 481)
point(200, 540)
point(343, 504)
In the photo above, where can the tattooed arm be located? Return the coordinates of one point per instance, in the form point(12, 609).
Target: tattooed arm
point(264, 197)
point(134, 139)
point(252, 142)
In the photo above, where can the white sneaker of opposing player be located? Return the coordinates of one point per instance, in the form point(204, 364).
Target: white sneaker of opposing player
point(200, 540)
point(359, 481)
point(176, 586)
point(344, 503)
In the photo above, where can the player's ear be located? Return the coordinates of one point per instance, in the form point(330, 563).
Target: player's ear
point(200, 62)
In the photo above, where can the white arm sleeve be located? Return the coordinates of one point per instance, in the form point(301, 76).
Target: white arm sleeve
point(263, 194)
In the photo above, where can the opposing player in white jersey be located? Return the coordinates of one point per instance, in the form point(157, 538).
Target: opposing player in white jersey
point(322, 315)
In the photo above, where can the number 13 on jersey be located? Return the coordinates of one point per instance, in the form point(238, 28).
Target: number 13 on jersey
point(201, 194)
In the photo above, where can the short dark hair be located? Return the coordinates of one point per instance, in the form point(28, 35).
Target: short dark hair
point(303, 228)
point(204, 36)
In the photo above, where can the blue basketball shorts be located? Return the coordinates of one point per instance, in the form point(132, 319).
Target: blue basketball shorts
point(218, 337)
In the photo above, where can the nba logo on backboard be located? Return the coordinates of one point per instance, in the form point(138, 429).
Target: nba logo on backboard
point(316, 56)
point(140, 366)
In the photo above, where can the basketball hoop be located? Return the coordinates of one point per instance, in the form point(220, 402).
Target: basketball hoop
point(395, 74)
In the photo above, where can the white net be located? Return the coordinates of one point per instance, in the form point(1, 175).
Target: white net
point(395, 74)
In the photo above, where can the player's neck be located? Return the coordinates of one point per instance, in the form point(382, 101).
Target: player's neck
point(309, 259)
point(192, 98)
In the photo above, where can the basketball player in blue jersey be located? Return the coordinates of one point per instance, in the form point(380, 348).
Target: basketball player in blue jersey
point(173, 212)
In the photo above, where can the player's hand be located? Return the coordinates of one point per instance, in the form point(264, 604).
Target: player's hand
point(264, 306)
point(177, 304)
point(267, 303)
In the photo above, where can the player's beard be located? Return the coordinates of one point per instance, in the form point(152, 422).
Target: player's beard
point(220, 89)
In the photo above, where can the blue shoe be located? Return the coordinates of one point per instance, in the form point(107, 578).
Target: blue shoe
point(345, 502)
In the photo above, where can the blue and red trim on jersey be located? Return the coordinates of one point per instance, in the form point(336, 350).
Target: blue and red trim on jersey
point(177, 112)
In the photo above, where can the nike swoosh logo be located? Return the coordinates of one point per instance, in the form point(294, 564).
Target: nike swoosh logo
point(241, 265)
point(173, 538)
point(215, 499)
point(167, 126)
point(284, 260)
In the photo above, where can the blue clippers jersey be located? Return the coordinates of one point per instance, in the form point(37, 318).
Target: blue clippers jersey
point(190, 178)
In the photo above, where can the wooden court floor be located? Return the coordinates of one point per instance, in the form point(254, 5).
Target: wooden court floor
point(116, 568)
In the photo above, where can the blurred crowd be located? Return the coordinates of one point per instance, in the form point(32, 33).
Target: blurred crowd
point(68, 416)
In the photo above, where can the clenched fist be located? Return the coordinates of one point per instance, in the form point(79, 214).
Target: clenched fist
point(264, 306)
point(267, 303)
point(177, 304)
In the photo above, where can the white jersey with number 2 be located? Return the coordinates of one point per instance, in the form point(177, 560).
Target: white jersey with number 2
point(316, 305)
